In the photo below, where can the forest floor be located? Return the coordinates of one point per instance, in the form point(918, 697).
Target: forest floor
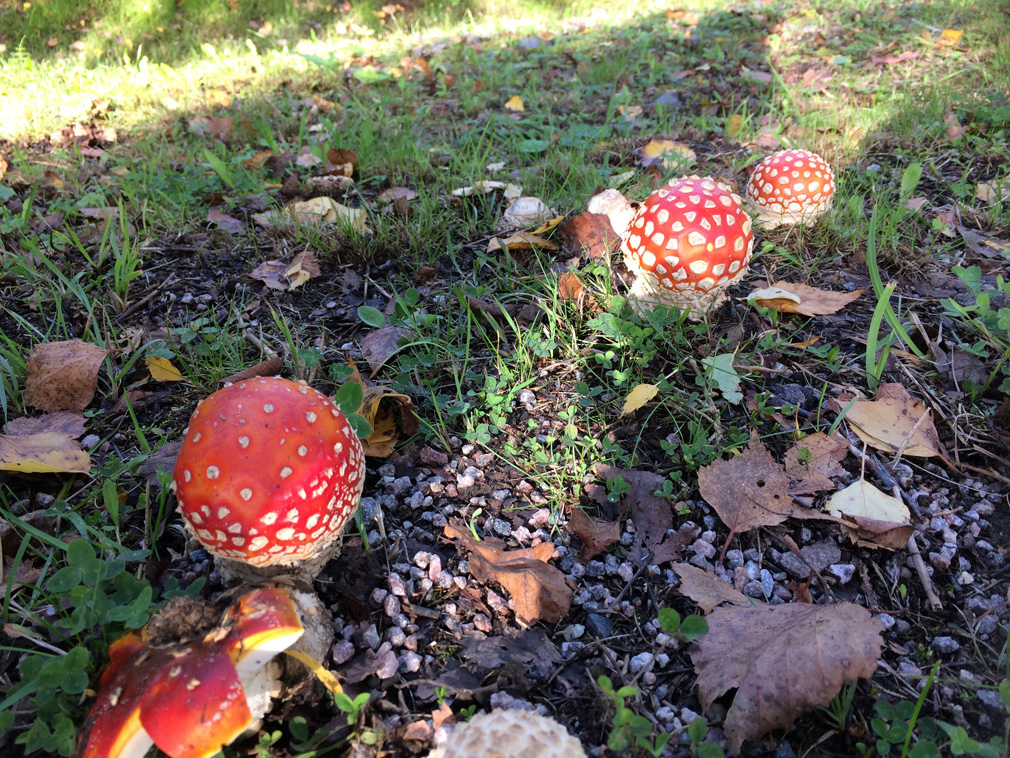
point(327, 202)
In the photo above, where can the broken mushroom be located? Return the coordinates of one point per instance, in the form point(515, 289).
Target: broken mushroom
point(688, 241)
point(190, 697)
point(790, 187)
point(268, 474)
point(510, 734)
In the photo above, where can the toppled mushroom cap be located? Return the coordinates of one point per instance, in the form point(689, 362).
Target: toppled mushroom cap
point(512, 734)
point(688, 241)
point(790, 187)
point(269, 473)
point(189, 698)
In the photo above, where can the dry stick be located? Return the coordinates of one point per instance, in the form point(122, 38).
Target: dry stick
point(913, 547)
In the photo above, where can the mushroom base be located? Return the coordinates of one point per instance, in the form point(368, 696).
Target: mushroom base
point(771, 218)
point(647, 296)
point(237, 572)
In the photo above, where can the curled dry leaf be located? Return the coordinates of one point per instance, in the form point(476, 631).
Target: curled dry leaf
point(512, 191)
point(595, 536)
point(320, 210)
point(392, 417)
point(63, 376)
point(791, 297)
point(706, 589)
point(269, 367)
point(895, 421)
point(783, 660)
point(539, 591)
point(871, 518)
point(590, 234)
point(284, 277)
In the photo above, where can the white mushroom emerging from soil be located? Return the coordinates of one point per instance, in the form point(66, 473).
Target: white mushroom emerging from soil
point(191, 697)
point(268, 475)
point(688, 241)
point(510, 734)
point(790, 187)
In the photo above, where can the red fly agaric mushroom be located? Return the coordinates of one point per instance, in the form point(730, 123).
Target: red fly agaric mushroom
point(190, 698)
point(688, 241)
point(790, 187)
point(268, 474)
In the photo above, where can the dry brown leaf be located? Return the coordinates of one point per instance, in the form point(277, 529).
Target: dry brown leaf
point(570, 287)
point(747, 491)
point(539, 591)
point(393, 194)
point(64, 422)
point(889, 423)
point(783, 660)
point(284, 277)
point(706, 589)
point(595, 536)
point(378, 346)
point(269, 367)
point(790, 297)
point(342, 157)
point(223, 221)
point(653, 515)
point(590, 234)
point(824, 455)
point(63, 376)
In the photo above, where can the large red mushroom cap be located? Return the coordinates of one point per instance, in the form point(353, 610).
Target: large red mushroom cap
point(189, 698)
point(269, 473)
point(790, 187)
point(688, 241)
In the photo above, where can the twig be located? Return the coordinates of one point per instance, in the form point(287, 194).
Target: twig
point(913, 547)
point(131, 309)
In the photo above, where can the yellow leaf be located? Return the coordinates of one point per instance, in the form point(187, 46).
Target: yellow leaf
point(328, 679)
point(548, 225)
point(735, 125)
point(639, 396)
point(43, 453)
point(162, 370)
point(515, 104)
point(668, 153)
point(894, 421)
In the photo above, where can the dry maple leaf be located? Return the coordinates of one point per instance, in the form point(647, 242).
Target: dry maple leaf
point(706, 589)
point(783, 660)
point(590, 234)
point(63, 376)
point(812, 461)
point(896, 421)
point(539, 591)
point(595, 536)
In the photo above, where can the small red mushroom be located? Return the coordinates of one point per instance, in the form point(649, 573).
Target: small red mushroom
point(268, 474)
point(190, 698)
point(688, 241)
point(790, 187)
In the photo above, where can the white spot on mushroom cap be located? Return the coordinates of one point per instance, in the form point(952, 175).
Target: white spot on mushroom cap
point(213, 472)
